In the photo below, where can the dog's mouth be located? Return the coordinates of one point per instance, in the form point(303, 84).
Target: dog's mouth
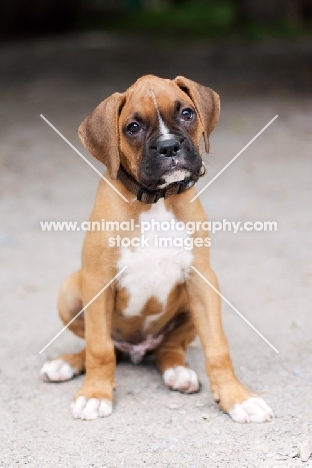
point(168, 165)
point(179, 173)
point(175, 174)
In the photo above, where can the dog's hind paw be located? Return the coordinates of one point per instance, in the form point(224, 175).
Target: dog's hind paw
point(181, 378)
point(251, 410)
point(57, 371)
point(91, 408)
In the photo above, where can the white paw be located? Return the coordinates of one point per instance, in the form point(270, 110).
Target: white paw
point(90, 409)
point(57, 371)
point(252, 410)
point(181, 378)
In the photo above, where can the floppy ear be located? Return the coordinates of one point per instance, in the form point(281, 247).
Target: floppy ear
point(206, 102)
point(100, 135)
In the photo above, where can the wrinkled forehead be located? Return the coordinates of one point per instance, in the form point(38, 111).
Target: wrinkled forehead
point(148, 97)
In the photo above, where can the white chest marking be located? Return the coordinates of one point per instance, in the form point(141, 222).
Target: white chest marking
point(153, 270)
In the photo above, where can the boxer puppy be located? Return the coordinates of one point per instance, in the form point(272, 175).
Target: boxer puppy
point(149, 139)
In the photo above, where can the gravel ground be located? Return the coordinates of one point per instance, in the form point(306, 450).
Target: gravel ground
point(266, 275)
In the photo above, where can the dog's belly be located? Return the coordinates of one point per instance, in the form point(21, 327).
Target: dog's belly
point(153, 271)
point(140, 342)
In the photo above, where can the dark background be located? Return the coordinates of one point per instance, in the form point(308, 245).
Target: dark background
point(241, 46)
point(196, 18)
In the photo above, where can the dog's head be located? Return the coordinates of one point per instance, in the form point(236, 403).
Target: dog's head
point(153, 129)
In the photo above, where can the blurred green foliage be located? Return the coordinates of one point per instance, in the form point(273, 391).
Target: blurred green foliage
point(187, 21)
point(161, 19)
point(192, 20)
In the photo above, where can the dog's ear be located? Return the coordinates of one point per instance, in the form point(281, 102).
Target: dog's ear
point(99, 132)
point(206, 102)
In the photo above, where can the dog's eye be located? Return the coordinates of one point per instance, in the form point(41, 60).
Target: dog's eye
point(133, 128)
point(187, 114)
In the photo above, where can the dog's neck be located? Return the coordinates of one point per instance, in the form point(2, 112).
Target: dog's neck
point(145, 195)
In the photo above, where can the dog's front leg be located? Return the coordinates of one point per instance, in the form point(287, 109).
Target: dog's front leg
point(226, 389)
point(94, 399)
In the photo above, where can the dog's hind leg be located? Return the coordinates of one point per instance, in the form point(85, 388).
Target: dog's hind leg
point(66, 366)
point(70, 303)
point(170, 359)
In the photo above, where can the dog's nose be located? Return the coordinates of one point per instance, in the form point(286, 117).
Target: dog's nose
point(169, 147)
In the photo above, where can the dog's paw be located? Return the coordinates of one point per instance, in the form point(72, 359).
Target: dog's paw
point(92, 408)
point(57, 371)
point(181, 378)
point(251, 410)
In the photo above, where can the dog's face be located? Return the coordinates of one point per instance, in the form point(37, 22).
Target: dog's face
point(159, 130)
point(153, 129)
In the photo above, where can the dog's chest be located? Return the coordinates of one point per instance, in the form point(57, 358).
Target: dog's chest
point(154, 269)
